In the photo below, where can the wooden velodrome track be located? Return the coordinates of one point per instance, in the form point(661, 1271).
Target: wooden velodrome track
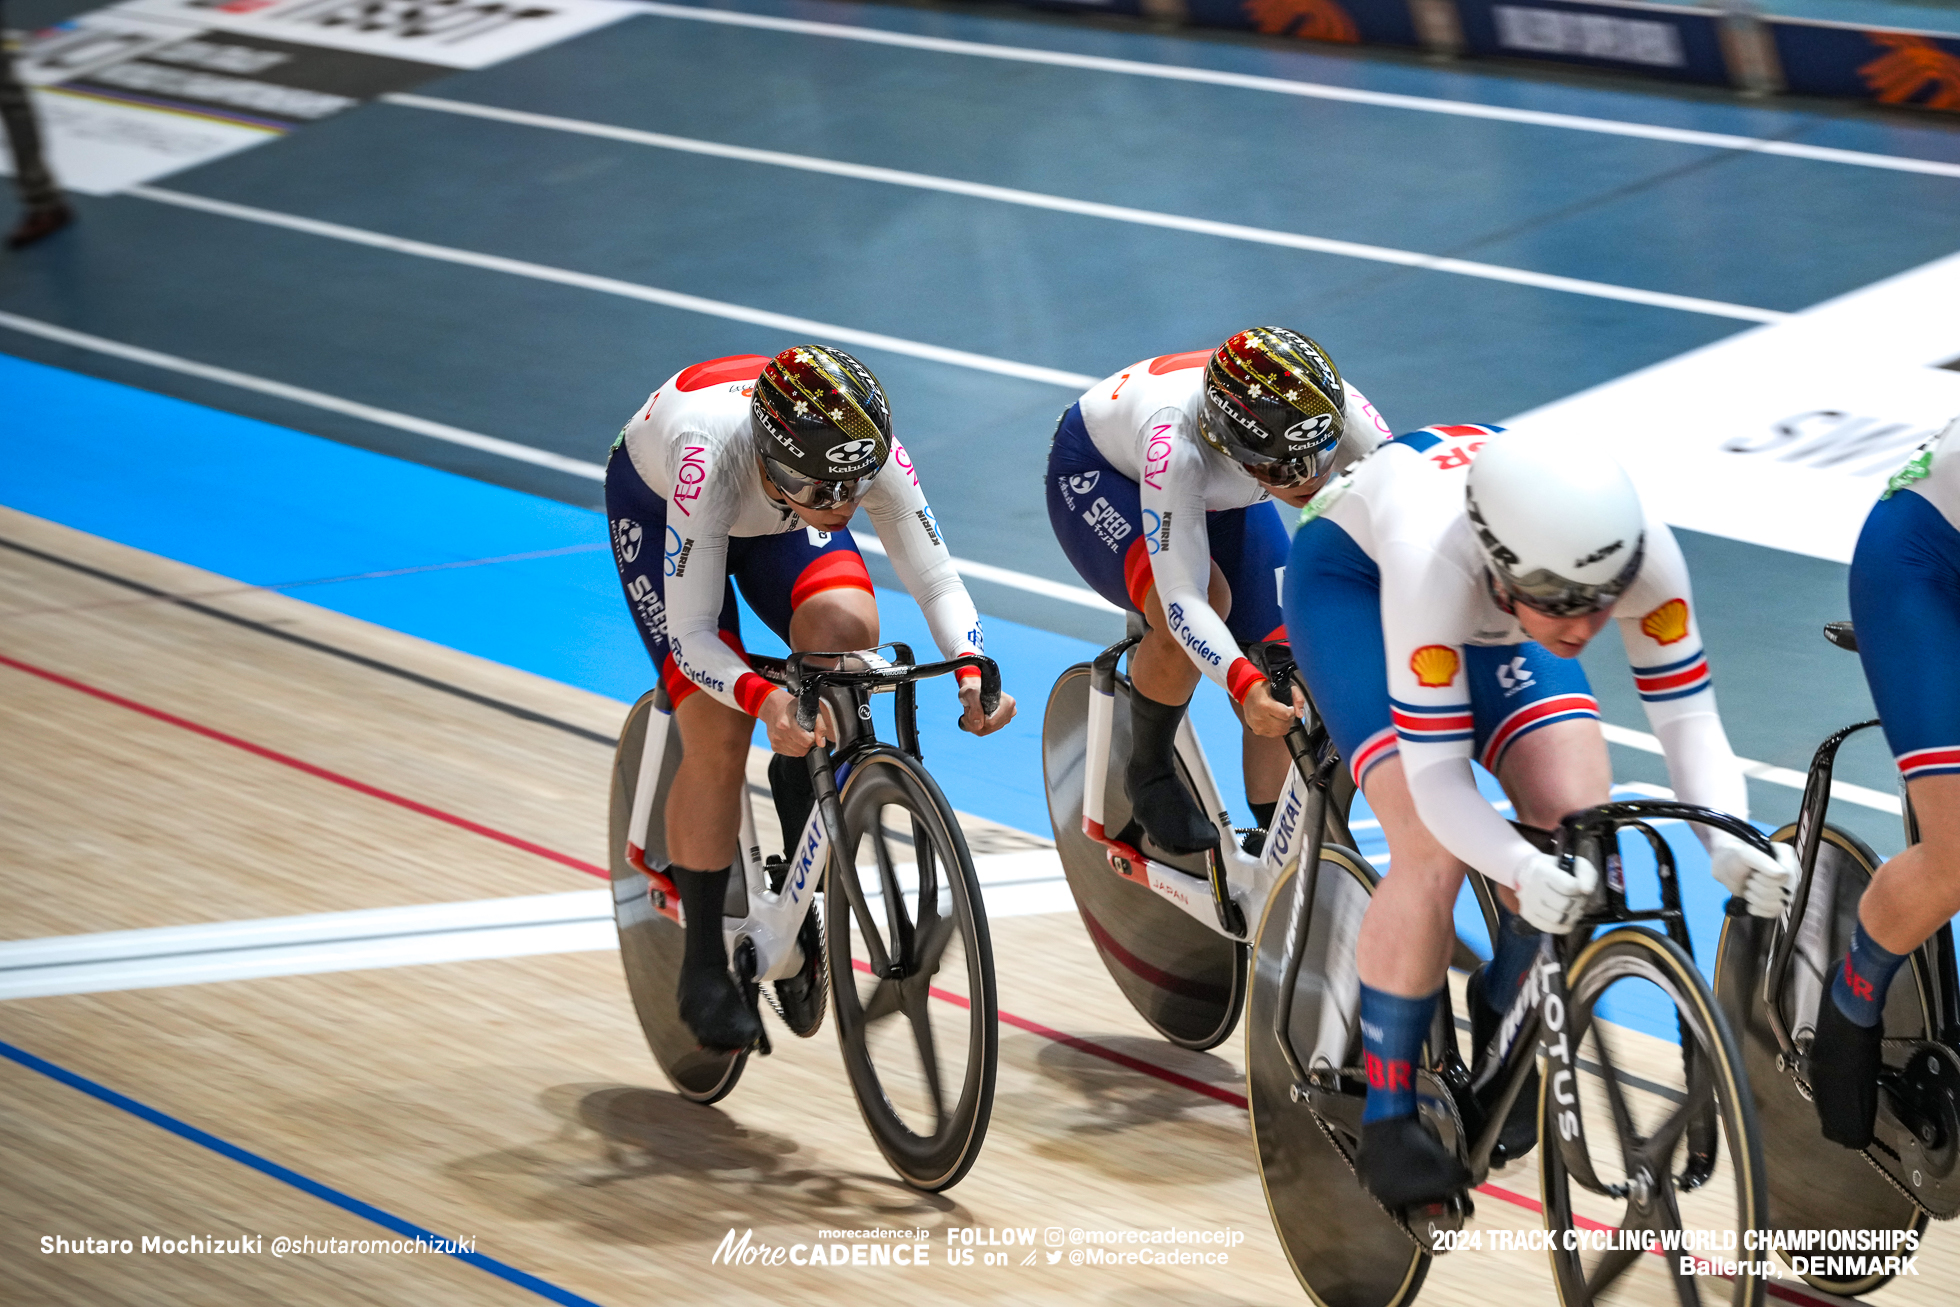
point(164, 767)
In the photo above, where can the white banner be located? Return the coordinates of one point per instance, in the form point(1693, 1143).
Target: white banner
point(1785, 435)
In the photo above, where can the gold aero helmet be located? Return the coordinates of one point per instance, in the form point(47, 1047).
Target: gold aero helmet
point(1274, 402)
point(822, 424)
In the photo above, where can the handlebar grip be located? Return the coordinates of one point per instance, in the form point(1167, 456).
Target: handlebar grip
point(806, 711)
point(989, 688)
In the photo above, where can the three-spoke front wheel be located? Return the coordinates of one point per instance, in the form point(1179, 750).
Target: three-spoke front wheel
point(1670, 1139)
point(911, 971)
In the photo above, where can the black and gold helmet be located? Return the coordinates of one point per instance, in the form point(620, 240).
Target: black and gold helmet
point(1274, 402)
point(822, 424)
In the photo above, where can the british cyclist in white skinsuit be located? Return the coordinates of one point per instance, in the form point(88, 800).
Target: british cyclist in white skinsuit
point(1161, 482)
point(746, 470)
point(1437, 601)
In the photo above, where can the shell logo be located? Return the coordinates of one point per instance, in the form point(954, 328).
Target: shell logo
point(1434, 665)
point(1668, 623)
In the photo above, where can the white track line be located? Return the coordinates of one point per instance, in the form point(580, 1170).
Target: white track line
point(580, 921)
point(614, 286)
point(1092, 209)
point(1020, 883)
point(1314, 90)
point(1038, 585)
point(1762, 771)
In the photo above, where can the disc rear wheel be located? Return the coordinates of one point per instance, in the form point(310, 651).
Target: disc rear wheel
point(1345, 1250)
point(651, 944)
point(1813, 1183)
point(1183, 977)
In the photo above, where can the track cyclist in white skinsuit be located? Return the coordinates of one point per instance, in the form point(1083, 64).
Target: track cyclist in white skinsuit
point(1437, 600)
point(1160, 487)
point(746, 470)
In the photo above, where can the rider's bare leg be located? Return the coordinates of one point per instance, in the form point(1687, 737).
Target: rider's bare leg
point(838, 618)
point(1402, 955)
point(1267, 763)
point(1159, 667)
point(1410, 928)
point(1918, 891)
point(1163, 677)
point(704, 812)
point(1546, 773)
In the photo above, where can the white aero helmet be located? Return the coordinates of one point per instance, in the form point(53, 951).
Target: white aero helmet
point(1560, 524)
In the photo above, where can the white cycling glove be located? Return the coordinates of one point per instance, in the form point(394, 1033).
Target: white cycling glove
point(1550, 899)
point(1765, 883)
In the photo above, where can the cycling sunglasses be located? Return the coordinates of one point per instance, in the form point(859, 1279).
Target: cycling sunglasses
point(1285, 473)
point(1553, 595)
point(808, 492)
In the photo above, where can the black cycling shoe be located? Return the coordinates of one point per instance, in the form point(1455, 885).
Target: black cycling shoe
point(1163, 806)
point(1159, 800)
point(1844, 1066)
point(1520, 1133)
point(713, 1007)
point(1403, 1164)
point(712, 1003)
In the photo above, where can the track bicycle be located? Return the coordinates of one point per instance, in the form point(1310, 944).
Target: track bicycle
point(1772, 976)
point(1170, 929)
point(903, 950)
point(1649, 1136)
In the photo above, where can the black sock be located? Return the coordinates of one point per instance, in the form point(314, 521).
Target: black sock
point(1262, 814)
point(1153, 736)
point(789, 786)
point(702, 896)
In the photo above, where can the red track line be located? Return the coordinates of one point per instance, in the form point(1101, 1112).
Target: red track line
point(287, 760)
point(476, 828)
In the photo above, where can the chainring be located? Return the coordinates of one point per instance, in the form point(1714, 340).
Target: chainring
point(1438, 1107)
point(1916, 1139)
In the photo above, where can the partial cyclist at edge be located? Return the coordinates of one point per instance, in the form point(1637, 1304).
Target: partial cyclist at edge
point(746, 471)
point(1161, 482)
point(1905, 610)
point(1437, 600)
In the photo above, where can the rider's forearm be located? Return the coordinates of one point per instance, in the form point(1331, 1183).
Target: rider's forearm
point(1700, 764)
point(706, 660)
point(1462, 820)
point(906, 527)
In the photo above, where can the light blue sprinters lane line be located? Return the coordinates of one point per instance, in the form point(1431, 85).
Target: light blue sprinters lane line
point(1310, 90)
point(286, 1175)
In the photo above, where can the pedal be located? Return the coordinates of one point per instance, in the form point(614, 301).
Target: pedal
point(1428, 1224)
point(1916, 1139)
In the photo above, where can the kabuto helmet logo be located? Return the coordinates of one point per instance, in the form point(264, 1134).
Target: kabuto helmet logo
point(1310, 432)
point(851, 451)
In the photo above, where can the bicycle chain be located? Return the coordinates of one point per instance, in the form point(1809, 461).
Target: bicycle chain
point(1804, 1088)
point(1334, 1142)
